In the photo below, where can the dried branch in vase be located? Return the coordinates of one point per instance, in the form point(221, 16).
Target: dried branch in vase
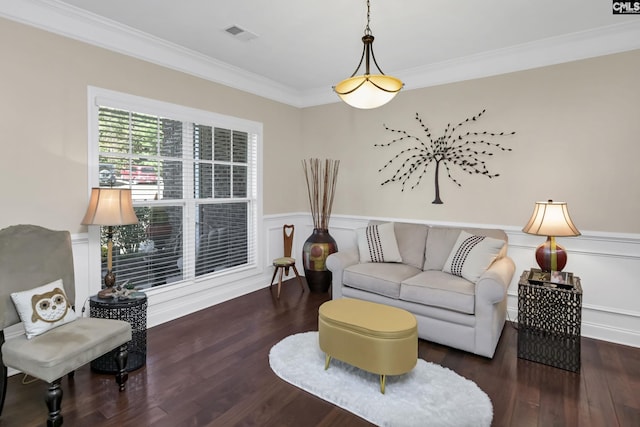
point(321, 176)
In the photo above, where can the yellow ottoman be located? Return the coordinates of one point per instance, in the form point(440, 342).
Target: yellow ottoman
point(374, 337)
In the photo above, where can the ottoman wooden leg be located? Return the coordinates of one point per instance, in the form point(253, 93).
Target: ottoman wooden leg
point(327, 360)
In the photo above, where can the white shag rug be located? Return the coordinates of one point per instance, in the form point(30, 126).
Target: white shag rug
point(429, 395)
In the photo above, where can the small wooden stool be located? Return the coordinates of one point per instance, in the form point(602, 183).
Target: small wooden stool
point(284, 263)
point(376, 338)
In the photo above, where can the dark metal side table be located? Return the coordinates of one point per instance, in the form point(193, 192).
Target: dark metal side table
point(549, 321)
point(132, 310)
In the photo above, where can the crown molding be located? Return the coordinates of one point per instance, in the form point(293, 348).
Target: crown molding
point(541, 53)
point(69, 21)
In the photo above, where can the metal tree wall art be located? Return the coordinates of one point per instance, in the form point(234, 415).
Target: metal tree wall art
point(466, 151)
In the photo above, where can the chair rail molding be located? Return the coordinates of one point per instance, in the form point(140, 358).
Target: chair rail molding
point(607, 264)
point(70, 21)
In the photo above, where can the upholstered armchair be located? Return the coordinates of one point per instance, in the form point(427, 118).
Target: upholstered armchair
point(37, 287)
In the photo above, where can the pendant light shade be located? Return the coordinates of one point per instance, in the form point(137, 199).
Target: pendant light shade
point(368, 90)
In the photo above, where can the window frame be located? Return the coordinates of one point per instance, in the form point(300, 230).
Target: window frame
point(103, 97)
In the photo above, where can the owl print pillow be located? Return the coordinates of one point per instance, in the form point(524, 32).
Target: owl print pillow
point(43, 308)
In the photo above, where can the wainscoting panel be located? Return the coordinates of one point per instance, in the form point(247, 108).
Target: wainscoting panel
point(169, 302)
point(609, 271)
point(608, 265)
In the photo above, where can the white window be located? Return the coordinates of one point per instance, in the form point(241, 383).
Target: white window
point(194, 181)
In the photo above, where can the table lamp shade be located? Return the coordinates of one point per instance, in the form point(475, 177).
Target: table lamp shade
point(110, 206)
point(551, 219)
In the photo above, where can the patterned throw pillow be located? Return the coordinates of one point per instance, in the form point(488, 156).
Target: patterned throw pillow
point(472, 255)
point(377, 243)
point(43, 308)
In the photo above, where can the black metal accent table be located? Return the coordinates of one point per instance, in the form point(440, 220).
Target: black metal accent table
point(549, 320)
point(132, 310)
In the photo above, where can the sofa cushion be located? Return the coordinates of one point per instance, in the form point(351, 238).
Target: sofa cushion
point(377, 243)
point(440, 242)
point(380, 278)
point(439, 289)
point(411, 242)
point(472, 255)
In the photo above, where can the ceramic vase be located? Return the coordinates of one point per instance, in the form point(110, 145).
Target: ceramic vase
point(315, 251)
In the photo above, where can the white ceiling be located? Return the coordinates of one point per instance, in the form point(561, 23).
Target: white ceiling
point(302, 48)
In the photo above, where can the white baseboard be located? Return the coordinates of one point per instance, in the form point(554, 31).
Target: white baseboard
point(163, 309)
point(606, 263)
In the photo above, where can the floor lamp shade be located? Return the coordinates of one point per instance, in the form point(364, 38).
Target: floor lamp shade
point(551, 219)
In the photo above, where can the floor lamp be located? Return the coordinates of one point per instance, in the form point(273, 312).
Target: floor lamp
point(110, 207)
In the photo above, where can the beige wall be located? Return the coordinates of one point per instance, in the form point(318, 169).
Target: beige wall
point(577, 134)
point(43, 122)
point(577, 140)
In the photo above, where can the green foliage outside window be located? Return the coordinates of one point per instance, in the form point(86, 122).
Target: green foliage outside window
point(127, 238)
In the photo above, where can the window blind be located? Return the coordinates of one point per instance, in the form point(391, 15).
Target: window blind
point(194, 187)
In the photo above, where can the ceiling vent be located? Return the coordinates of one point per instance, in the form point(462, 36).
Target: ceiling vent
point(240, 33)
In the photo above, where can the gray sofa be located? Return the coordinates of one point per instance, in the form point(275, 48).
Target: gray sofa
point(450, 310)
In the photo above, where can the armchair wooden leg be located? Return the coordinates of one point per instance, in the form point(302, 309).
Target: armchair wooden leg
point(71, 375)
point(3, 376)
point(121, 362)
point(3, 387)
point(54, 403)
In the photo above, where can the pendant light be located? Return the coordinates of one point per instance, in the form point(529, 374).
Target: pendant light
point(368, 90)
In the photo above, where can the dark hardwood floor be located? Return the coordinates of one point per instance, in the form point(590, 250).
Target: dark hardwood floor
point(211, 369)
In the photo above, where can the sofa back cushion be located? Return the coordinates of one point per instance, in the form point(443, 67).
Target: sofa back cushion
point(441, 240)
point(411, 240)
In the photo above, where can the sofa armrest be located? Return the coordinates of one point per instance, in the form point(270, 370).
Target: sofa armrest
point(491, 305)
point(336, 263)
point(492, 286)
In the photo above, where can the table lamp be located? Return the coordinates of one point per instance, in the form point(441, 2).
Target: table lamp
point(551, 219)
point(110, 207)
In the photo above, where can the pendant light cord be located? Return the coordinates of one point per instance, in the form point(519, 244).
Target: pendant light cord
point(367, 30)
point(380, 88)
